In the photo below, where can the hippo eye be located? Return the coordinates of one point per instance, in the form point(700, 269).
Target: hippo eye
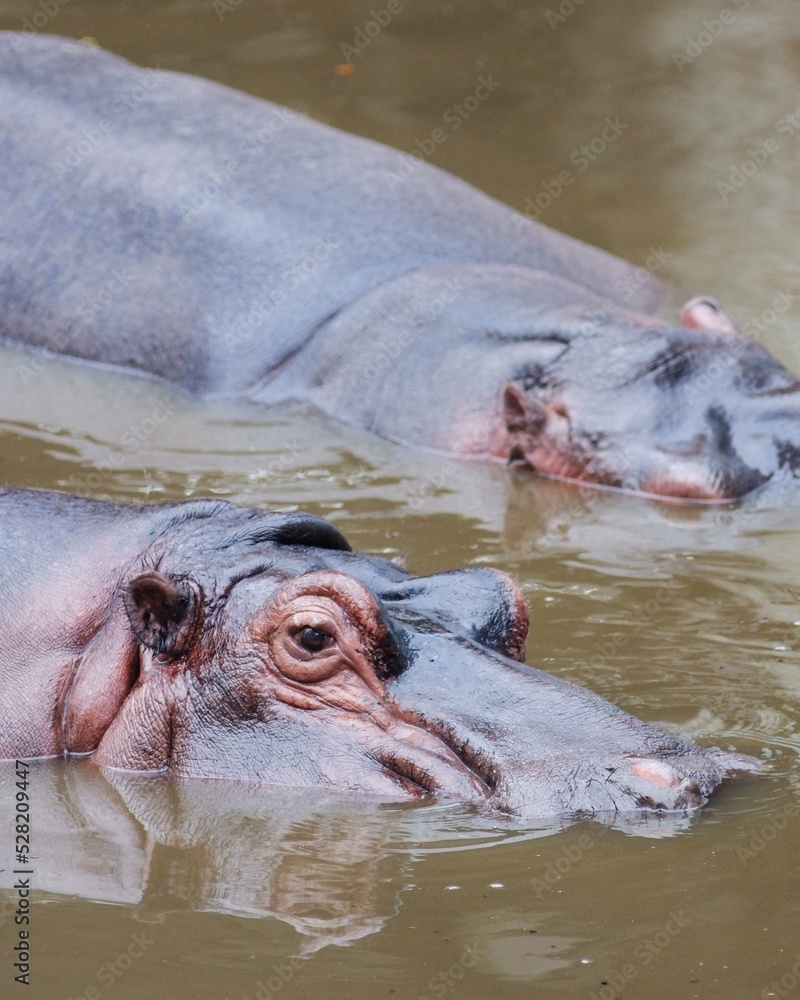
point(312, 639)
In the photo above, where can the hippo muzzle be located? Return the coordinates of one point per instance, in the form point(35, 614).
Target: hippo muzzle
point(699, 412)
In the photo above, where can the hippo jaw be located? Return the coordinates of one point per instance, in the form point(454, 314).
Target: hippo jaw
point(699, 413)
point(546, 747)
point(549, 439)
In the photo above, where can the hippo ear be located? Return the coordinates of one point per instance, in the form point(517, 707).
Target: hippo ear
point(306, 529)
point(162, 611)
point(521, 411)
point(296, 529)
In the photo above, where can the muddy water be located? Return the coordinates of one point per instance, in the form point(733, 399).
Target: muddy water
point(687, 617)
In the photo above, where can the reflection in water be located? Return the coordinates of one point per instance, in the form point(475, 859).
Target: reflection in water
point(624, 535)
point(331, 866)
point(321, 865)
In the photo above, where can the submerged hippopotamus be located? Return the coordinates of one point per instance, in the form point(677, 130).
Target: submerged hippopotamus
point(215, 641)
point(164, 223)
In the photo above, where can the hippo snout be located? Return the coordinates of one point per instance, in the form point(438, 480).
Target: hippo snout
point(699, 412)
point(631, 784)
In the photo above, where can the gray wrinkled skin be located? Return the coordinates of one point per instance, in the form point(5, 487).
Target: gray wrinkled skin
point(160, 222)
point(431, 698)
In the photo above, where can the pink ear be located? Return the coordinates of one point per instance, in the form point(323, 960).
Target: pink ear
point(162, 611)
point(704, 313)
point(515, 407)
point(521, 412)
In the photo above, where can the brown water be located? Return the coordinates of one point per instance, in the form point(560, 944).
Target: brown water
point(684, 616)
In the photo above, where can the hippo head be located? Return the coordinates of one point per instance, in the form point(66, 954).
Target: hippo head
point(536, 369)
point(295, 661)
point(697, 412)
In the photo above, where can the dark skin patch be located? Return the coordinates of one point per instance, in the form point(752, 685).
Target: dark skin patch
point(671, 367)
point(720, 429)
point(788, 457)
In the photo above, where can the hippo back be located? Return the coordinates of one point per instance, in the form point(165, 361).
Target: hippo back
point(159, 221)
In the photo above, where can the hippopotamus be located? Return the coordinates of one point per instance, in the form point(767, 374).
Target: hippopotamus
point(167, 224)
point(209, 640)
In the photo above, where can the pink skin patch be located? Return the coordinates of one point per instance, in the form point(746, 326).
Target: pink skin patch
point(704, 313)
point(656, 772)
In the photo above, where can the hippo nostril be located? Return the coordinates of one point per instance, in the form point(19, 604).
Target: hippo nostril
point(686, 792)
point(720, 426)
point(655, 771)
